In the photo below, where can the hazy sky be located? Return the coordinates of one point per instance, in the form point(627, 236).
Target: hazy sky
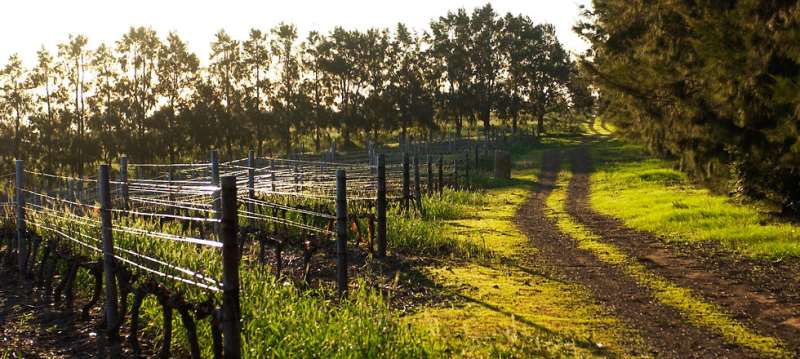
point(26, 25)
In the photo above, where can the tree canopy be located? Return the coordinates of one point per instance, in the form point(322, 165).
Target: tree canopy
point(151, 98)
point(715, 84)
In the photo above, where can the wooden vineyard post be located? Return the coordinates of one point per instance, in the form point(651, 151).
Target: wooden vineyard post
point(272, 180)
point(406, 184)
point(171, 178)
point(231, 311)
point(22, 243)
point(417, 186)
point(341, 231)
point(430, 176)
point(477, 157)
point(251, 185)
point(466, 169)
point(455, 174)
point(123, 177)
point(109, 266)
point(441, 175)
point(215, 182)
point(380, 206)
point(502, 164)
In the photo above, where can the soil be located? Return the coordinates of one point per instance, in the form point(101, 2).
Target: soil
point(665, 333)
point(764, 295)
point(32, 327)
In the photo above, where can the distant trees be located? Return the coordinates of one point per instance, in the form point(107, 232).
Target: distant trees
point(149, 97)
point(711, 83)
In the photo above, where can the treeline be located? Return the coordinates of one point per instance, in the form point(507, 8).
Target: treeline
point(711, 83)
point(151, 98)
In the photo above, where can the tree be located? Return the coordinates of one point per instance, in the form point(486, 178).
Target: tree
point(486, 29)
point(713, 84)
point(177, 73)
point(283, 104)
point(15, 86)
point(74, 55)
point(256, 60)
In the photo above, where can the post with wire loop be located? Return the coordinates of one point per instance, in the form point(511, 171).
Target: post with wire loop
point(22, 242)
point(466, 168)
point(231, 310)
point(341, 231)
point(406, 184)
point(380, 206)
point(109, 266)
point(215, 182)
point(417, 187)
point(441, 175)
point(251, 185)
point(430, 175)
point(477, 158)
point(123, 177)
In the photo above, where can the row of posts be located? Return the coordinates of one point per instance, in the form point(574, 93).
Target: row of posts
point(231, 310)
point(226, 208)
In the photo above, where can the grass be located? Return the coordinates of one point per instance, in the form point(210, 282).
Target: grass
point(694, 308)
point(648, 194)
point(503, 305)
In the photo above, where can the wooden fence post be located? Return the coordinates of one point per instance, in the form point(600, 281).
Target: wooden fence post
point(417, 186)
point(466, 168)
point(380, 206)
point(341, 231)
point(251, 185)
point(123, 176)
point(455, 174)
point(22, 242)
point(406, 184)
point(231, 311)
point(441, 175)
point(477, 157)
point(215, 182)
point(109, 265)
point(430, 176)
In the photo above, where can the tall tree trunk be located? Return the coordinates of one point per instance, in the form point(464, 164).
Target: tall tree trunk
point(540, 124)
point(486, 118)
point(459, 123)
point(514, 119)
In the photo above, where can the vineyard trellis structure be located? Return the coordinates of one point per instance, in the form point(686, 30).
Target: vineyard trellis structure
point(177, 232)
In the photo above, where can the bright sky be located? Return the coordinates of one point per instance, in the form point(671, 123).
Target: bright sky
point(27, 25)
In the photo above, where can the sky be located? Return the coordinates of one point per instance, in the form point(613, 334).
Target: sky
point(27, 25)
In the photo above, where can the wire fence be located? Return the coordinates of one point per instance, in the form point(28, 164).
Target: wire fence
point(160, 229)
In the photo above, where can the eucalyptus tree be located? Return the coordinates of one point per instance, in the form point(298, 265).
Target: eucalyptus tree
point(104, 101)
point(15, 85)
point(74, 56)
point(178, 70)
point(548, 76)
point(377, 102)
point(348, 70)
point(47, 77)
point(451, 41)
point(519, 46)
point(138, 57)
point(288, 70)
point(256, 60)
point(486, 31)
point(226, 73)
point(316, 82)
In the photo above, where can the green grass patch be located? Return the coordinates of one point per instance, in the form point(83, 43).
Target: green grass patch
point(648, 194)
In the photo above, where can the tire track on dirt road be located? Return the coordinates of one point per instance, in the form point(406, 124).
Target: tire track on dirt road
point(762, 297)
point(663, 328)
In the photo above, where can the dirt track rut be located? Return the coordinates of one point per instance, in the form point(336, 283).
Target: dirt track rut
point(762, 295)
point(663, 329)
